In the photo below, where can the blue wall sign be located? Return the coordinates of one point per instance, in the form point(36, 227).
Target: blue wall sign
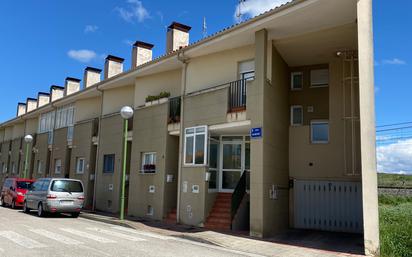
point(256, 132)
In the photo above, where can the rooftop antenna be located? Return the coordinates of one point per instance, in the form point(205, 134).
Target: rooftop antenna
point(204, 28)
point(239, 13)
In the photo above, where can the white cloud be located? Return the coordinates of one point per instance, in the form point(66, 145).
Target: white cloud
point(395, 157)
point(394, 61)
point(135, 11)
point(90, 28)
point(82, 55)
point(252, 8)
point(128, 42)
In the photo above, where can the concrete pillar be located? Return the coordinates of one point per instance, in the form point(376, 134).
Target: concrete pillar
point(268, 108)
point(256, 107)
point(367, 128)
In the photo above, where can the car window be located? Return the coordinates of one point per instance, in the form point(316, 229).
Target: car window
point(37, 185)
point(45, 186)
point(7, 183)
point(67, 186)
point(24, 184)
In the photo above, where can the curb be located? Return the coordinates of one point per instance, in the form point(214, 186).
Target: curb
point(103, 219)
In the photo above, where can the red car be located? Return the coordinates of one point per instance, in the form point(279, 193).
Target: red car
point(13, 191)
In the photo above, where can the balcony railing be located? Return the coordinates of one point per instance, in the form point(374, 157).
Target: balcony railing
point(237, 95)
point(174, 110)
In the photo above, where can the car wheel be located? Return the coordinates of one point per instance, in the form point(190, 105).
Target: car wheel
point(75, 214)
point(40, 211)
point(25, 208)
point(13, 205)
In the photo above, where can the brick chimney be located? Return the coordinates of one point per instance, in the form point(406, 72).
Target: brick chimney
point(72, 85)
point(42, 99)
point(21, 109)
point(177, 36)
point(141, 53)
point(56, 92)
point(31, 104)
point(91, 76)
point(113, 66)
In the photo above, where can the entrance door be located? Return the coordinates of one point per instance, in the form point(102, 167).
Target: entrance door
point(233, 153)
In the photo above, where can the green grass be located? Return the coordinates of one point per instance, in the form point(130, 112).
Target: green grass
point(394, 180)
point(395, 215)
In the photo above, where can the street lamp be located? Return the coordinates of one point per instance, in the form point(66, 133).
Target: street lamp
point(126, 112)
point(28, 139)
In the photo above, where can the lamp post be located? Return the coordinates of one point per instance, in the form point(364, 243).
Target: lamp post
point(126, 112)
point(28, 139)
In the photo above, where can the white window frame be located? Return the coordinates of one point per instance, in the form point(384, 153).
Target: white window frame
point(311, 131)
point(292, 74)
point(318, 85)
point(13, 167)
point(291, 115)
point(56, 171)
point(4, 167)
point(78, 170)
point(205, 133)
point(153, 160)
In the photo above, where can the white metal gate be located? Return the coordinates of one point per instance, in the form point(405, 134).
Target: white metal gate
point(328, 205)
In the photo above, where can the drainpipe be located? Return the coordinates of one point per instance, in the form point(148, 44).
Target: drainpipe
point(96, 165)
point(185, 61)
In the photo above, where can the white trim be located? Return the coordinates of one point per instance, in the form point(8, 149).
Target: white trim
point(230, 125)
point(292, 74)
point(291, 115)
point(153, 160)
point(311, 131)
point(205, 133)
point(78, 171)
point(57, 161)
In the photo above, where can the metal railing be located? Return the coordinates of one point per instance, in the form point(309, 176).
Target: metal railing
point(174, 110)
point(239, 193)
point(237, 95)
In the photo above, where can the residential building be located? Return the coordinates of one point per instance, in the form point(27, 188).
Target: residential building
point(265, 126)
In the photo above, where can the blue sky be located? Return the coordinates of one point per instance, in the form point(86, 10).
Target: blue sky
point(43, 42)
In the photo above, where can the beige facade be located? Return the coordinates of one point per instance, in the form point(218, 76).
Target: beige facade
point(243, 78)
point(83, 157)
point(108, 182)
point(157, 196)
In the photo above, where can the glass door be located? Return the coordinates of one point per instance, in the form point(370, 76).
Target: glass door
point(214, 147)
point(232, 162)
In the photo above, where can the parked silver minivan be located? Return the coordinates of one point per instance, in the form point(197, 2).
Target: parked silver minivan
point(55, 195)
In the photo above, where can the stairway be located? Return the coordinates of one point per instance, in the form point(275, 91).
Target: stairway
point(220, 216)
point(171, 217)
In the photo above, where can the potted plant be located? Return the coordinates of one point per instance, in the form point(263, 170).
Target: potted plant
point(163, 97)
point(149, 168)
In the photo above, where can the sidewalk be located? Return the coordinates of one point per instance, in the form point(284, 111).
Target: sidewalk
point(244, 243)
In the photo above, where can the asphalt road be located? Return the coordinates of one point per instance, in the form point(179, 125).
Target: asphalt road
point(28, 235)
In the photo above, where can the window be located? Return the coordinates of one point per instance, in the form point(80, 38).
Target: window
point(296, 80)
point(70, 186)
point(296, 115)
point(108, 163)
point(195, 145)
point(319, 78)
point(39, 166)
point(4, 167)
point(46, 122)
point(13, 167)
point(64, 116)
point(57, 166)
point(80, 165)
point(319, 131)
point(148, 163)
point(247, 70)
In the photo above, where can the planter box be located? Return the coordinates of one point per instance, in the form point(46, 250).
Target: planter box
point(163, 100)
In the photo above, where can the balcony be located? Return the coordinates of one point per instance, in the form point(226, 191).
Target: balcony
point(237, 95)
point(174, 110)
